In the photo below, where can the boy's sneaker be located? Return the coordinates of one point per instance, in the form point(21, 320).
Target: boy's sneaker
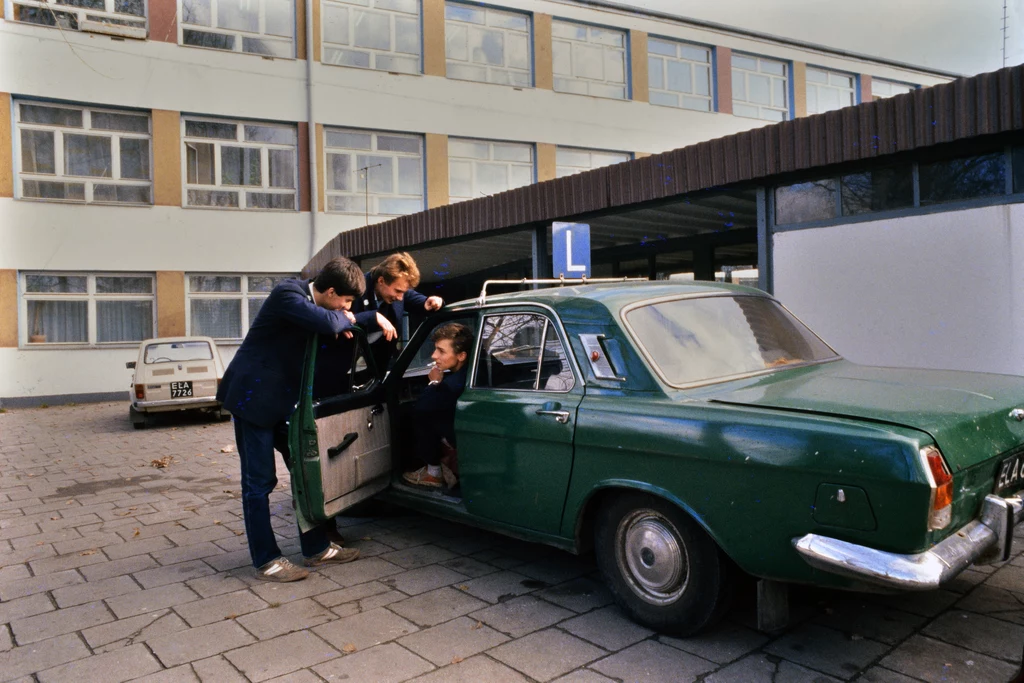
point(421, 477)
point(281, 570)
point(334, 554)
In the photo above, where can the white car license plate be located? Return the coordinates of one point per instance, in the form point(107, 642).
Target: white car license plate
point(1010, 475)
point(181, 389)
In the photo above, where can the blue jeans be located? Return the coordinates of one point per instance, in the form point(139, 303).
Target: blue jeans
point(256, 454)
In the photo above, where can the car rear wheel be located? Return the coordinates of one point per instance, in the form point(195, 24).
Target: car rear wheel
point(138, 418)
point(661, 566)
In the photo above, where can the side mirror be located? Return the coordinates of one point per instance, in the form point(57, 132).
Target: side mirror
point(130, 365)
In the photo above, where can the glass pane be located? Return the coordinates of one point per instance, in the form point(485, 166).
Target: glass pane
point(280, 17)
point(603, 90)
point(407, 6)
point(110, 284)
point(339, 175)
point(265, 283)
point(255, 304)
point(397, 64)
point(455, 12)
point(696, 54)
point(696, 103)
point(407, 35)
point(828, 99)
point(456, 42)
point(398, 206)
point(468, 149)
point(55, 322)
point(778, 93)
point(840, 80)
point(216, 41)
point(660, 47)
point(348, 140)
point(815, 76)
point(177, 352)
point(275, 134)
point(741, 62)
point(135, 158)
point(605, 37)
point(519, 176)
point(240, 166)
point(465, 72)
point(372, 30)
point(128, 123)
point(509, 352)
point(122, 321)
point(487, 47)
point(37, 154)
point(410, 176)
point(802, 202)
point(379, 171)
point(517, 52)
point(664, 98)
point(561, 55)
point(615, 66)
point(214, 283)
point(217, 318)
point(55, 284)
point(491, 178)
point(200, 163)
point(196, 12)
point(268, 47)
point(587, 61)
point(347, 58)
point(760, 89)
point(656, 72)
point(282, 167)
point(957, 179)
point(54, 116)
point(878, 190)
point(394, 143)
point(555, 374)
point(739, 86)
point(240, 15)
point(679, 77)
point(702, 80)
point(355, 204)
point(136, 8)
point(87, 155)
point(506, 152)
point(565, 29)
point(210, 129)
point(41, 189)
point(773, 68)
point(571, 157)
point(212, 198)
point(335, 20)
point(515, 22)
point(1018, 169)
point(460, 178)
point(268, 200)
point(124, 194)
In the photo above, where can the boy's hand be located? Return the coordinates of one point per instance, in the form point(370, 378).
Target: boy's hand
point(436, 374)
point(386, 327)
point(433, 303)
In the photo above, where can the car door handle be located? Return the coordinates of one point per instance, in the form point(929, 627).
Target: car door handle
point(349, 439)
point(561, 416)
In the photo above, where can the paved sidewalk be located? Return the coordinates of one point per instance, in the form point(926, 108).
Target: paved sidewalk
point(112, 569)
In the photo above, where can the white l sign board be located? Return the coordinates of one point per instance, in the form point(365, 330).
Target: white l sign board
point(570, 250)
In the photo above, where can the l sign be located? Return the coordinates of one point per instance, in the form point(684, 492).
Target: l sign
point(570, 250)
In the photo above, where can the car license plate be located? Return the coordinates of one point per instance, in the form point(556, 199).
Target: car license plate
point(181, 389)
point(1010, 475)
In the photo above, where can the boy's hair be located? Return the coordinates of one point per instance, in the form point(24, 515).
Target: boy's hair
point(343, 275)
point(459, 335)
point(398, 265)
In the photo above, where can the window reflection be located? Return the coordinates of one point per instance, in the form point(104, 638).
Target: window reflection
point(958, 179)
point(878, 190)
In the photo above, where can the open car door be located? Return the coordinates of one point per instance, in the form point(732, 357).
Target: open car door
point(340, 434)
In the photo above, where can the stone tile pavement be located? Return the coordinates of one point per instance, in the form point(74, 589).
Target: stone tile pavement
point(112, 569)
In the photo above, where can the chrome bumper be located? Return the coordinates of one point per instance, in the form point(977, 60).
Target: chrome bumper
point(986, 539)
point(180, 403)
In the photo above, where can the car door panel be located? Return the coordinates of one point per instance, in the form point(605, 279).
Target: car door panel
point(364, 433)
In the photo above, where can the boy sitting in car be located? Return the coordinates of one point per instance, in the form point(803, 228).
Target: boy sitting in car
point(434, 415)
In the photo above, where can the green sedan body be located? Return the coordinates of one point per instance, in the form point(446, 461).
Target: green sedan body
point(683, 430)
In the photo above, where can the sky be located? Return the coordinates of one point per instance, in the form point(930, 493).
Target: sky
point(961, 36)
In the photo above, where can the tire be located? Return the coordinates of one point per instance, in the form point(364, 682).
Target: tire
point(138, 418)
point(662, 568)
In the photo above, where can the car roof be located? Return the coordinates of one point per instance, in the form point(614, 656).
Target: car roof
point(172, 340)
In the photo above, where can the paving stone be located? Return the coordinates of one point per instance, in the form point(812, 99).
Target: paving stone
point(183, 571)
point(217, 670)
point(301, 676)
point(142, 628)
point(557, 569)
point(420, 556)
point(24, 555)
point(995, 602)
point(1009, 577)
point(470, 567)
point(220, 607)
point(140, 531)
point(361, 571)
point(351, 594)
point(423, 579)
point(14, 573)
point(6, 639)
point(473, 670)
point(215, 584)
point(228, 561)
point(270, 658)
point(443, 604)
point(186, 553)
point(856, 617)
point(93, 541)
point(38, 584)
point(724, 643)
point(94, 590)
point(979, 633)
point(291, 616)
point(925, 603)
point(877, 674)
point(41, 656)
point(759, 668)
point(497, 587)
point(136, 547)
point(546, 654)
point(965, 581)
point(151, 599)
point(179, 674)
point(199, 643)
point(521, 615)
point(25, 607)
point(934, 661)
point(50, 624)
point(583, 676)
point(579, 595)
point(826, 650)
point(382, 664)
point(113, 667)
point(608, 628)
point(365, 630)
point(314, 584)
point(127, 565)
point(652, 661)
point(459, 638)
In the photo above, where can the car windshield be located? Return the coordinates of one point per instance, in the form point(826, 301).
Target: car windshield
point(177, 352)
point(705, 339)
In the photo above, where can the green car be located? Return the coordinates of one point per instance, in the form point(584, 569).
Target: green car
point(682, 430)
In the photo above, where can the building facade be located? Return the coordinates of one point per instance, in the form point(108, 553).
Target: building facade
point(164, 163)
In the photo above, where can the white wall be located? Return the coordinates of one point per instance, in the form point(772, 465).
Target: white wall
point(942, 290)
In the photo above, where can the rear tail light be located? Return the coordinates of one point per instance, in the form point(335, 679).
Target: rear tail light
point(140, 391)
point(940, 513)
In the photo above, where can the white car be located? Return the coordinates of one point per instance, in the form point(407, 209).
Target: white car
point(175, 373)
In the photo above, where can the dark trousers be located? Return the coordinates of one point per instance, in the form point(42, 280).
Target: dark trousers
point(256, 454)
point(429, 432)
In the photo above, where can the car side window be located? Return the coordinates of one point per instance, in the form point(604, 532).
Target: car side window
point(522, 351)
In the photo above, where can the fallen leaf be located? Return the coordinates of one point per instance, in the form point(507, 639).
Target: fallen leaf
point(88, 552)
point(216, 521)
point(162, 462)
point(366, 538)
point(231, 616)
point(54, 518)
point(856, 636)
point(137, 532)
point(463, 587)
point(456, 659)
point(477, 625)
point(199, 455)
point(239, 533)
point(70, 501)
point(227, 449)
point(349, 648)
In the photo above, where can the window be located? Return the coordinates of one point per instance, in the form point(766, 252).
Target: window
point(881, 189)
point(679, 75)
point(522, 351)
point(572, 160)
point(261, 27)
point(828, 90)
point(225, 306)
point(589, 60)
point(116, 17)
point(488, 45)
point(760, 88)
point(966, 178)
point(82, 154)
point(882, 88)
point(240, 165)
point(392, 163)
point(78, 308)
point(372, 34)
point(803, 202)
point(477, 168)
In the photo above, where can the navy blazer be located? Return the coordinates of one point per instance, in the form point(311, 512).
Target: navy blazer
point(261, 385)
point(365, 307)
point(438, 401)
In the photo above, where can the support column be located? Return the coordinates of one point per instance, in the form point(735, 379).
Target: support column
point(723, 79)
point(765, 281)
point(539, 249)
point(6, 153)
point(8, 309)
point(437, 170)
point(163, 21)
point(305, 200)
point(865, 88)
point(547, 155)
point(433, 38)
point(320, 186)
point(799, 89)
point(638, 63)
point(704, 262)
point(170, 303)
point(167, 158)
point(300, 28)
point(317, 37)
point(543, 67)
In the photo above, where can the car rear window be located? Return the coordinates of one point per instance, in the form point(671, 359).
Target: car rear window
point(177, 352)
point(705, 339)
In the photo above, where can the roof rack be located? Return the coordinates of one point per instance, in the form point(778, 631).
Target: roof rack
point(561, 281)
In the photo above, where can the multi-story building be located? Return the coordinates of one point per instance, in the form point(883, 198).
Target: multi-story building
point(164, 163)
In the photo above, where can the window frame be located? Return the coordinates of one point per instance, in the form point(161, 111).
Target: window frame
point(551, 322)
point(530, 70)
point(374, 197)
point(629, 156)
point(91, 298)
point(374, 53)
point(239, 141)
point(58, 131)
point(452, 199)
point(888, 81)
point(787, 90)
point(711, 64)
point(138, 31)
point(239, 34)
point(243, 296)
point(854, 88)
point(627, 84)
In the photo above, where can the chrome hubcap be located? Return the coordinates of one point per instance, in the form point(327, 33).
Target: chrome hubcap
point(651, 556)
